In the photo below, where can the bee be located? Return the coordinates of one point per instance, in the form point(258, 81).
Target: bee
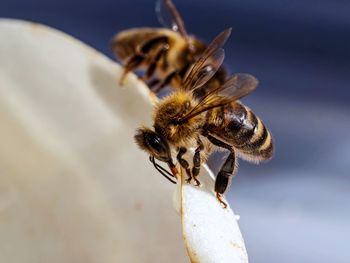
point(165, 54)
point(216, 120)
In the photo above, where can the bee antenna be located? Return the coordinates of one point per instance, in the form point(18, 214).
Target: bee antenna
point(161, 170)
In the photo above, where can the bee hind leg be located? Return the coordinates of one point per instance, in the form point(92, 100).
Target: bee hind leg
point(219, 197)
point(184, 164)
point(226, 172)
point(224, 176)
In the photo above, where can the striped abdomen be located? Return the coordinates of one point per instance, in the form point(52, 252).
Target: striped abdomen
point(238, 126)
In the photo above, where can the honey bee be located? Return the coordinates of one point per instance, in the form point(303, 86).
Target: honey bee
point(165, 54)
point(216, 120)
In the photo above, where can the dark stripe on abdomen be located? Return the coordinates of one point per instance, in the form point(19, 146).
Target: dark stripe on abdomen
point(261, 144)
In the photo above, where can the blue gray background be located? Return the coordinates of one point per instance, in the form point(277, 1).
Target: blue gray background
point(295, 208)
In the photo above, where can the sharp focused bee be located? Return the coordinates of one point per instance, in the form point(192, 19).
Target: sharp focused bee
point(183, 121)
point(165, 54)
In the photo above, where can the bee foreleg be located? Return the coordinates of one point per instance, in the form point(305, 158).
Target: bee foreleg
point(144, 52)
point(153, 49)
point(132, 64)
point(152, 67)
point(227, 169)
point(197, 161)
point(184, 164)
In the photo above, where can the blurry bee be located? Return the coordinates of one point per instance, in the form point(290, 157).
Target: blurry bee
point(182, 121)
point(165, 54)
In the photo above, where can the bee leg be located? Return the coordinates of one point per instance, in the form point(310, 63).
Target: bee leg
point(144, 52)
point(184, 164)
point(154, 49)
point(149, 72)
point(219, 197)
point(224, 176)
point(166, 81)
point(227, 170)
point(132, 64)
point(197, 161)
point(152, 67)
point(153, 83)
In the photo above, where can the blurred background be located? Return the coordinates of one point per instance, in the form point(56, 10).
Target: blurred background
point(296, 207)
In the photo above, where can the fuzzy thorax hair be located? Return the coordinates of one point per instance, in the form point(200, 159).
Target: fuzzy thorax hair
point(167, 118)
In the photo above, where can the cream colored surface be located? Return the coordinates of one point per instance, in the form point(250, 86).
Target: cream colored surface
point(73, 185)
point(211, 232)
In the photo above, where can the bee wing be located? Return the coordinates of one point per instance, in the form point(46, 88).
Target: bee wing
point(207, 65)
point(238, 86)
point(199, 76)
point(235, 87)
point(169, 17)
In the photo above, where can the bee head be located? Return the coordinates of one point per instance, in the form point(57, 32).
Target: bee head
point(154, 144)
point(126, 43)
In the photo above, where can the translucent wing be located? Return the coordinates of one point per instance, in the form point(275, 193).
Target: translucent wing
point(207, 65)
point(238, 86)
point(169, 17)
point(206, 71)
point(235, 87)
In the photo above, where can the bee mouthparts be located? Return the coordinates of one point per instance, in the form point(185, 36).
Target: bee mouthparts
point(173, 170)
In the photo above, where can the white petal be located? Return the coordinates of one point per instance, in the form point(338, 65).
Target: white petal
point(73, 185)
point(211, 232)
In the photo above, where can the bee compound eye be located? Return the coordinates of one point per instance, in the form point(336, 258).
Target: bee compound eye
point(157, 144)
point(153, 143)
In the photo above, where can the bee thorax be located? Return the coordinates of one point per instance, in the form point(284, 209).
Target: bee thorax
point(170, 122)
